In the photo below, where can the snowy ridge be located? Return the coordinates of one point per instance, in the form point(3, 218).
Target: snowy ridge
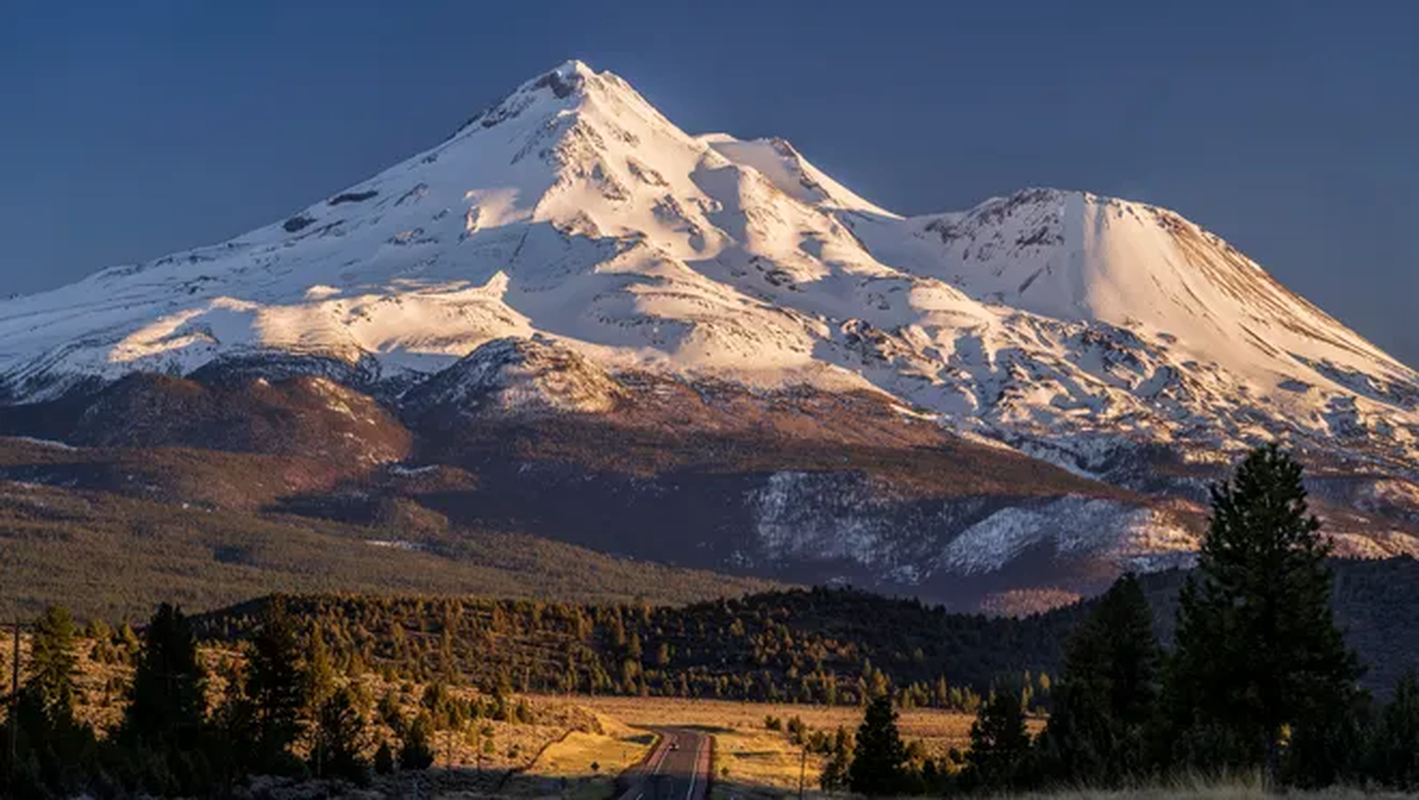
point(1068, 325)
point(518, 376)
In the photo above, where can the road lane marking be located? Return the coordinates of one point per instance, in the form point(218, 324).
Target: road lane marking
point(695, 768)
point(660, 762)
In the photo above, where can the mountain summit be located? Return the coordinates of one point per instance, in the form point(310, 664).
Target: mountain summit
point(1115, 339)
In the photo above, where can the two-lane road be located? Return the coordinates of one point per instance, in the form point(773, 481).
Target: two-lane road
point(678, 768)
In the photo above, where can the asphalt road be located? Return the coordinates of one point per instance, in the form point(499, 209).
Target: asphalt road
point(678, 769)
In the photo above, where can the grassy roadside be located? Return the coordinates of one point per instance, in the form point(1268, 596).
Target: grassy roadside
point(583, 765)
point(752, 761)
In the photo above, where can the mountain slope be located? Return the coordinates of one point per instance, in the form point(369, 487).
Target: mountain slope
point(571, 271)
point(1215, 315)
point(112, 557)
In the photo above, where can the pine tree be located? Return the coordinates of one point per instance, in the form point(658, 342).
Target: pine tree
point(128, 640)
point(319, 671)
point(417, 749)
point(101, 634)
point(165, 721)
point(1257, 645)
point(54, 664)
point(53, 749)
point(233, 727)
point(1393, 758)
point(1000, 745)
point(835, 772)
point(384, 759)
point(1107, 696)
point(276, 690)
point(338, 740)
point(879, 757)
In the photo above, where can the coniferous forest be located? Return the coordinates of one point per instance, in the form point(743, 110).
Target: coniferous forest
point(1240, 666)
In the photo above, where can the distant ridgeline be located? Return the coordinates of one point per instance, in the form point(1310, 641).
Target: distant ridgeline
point(811, 646)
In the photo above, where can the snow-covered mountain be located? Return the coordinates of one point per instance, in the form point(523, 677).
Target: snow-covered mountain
point(1114, 338)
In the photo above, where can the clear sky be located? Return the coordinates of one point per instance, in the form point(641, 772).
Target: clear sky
point(131, 129)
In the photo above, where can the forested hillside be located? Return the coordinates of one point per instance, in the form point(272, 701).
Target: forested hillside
point(112, 557)
point(818, 645)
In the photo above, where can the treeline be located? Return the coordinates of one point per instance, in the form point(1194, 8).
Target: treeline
point(280, 709)
point(1259, 680)
point(818, 646)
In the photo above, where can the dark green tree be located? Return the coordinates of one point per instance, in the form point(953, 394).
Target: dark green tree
point(54, 753)
point(1257, 646)
point(128, 640)
point(1000, 753)
point(319, 671)
point(835, 773)
point(416, 750)
point(338, 739)
point(54, 663)
point(275, 692)
point(164, 725)
point(233, 728)
point(35, 765)
point(384, 759)
point(879, 758)
point(1106, 698)
point(1393, 758)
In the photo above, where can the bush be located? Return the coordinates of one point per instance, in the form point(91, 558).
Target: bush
point(417, 751)
point(384, 759)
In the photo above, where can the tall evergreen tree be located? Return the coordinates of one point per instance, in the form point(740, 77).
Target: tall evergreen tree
point(1000, 753)
point(835, 773)
point(1257, 645)
point(167, 701)
point(338, 740)
point(417, 748)
point(878, 762)
point(54, 751)
point(1107, 695)
point(166, 713)
point(276, 691)
point(54, 663)
point(233, 728)
point(319, 670)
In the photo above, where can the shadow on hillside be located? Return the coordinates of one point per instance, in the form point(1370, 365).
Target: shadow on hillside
point(710, 729)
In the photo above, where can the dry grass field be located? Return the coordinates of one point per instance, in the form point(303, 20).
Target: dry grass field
point(940, 728)
point(583, 765)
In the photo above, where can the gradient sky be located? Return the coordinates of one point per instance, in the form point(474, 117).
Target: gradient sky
point(136, 128)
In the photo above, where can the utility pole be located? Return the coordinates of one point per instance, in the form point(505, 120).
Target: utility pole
point(14, 699)
point(802, 771)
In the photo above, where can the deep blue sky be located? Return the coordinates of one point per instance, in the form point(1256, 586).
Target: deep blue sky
point(132, 129)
